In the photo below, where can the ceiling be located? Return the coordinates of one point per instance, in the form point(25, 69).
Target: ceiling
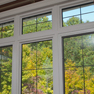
point(10, 4)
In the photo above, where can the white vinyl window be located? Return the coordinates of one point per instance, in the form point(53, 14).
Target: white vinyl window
point(35, 48)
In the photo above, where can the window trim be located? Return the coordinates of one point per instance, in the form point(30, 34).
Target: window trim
point(55, 34)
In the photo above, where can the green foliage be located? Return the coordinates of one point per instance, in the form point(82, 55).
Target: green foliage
point(37, 61)
point(79, 64)
point(37, 68)
point(5, 70)
point(7, 30)
point(72, 21)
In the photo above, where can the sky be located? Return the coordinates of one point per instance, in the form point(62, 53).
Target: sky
point(76, 11)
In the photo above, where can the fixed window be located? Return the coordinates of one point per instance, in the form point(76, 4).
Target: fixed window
point(37, 68)
point(6, 29)
point(78, 14)
point(37, 23)
point(79, 64)
point(5, 69)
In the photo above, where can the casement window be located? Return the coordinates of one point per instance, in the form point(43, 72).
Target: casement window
point(47, 48)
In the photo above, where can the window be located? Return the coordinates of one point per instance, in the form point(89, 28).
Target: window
point(5, 69)
point(36, 63)
point(37, 68)
point(79, 64)
point(6, 29)
point(77, 15)
point(37, 23)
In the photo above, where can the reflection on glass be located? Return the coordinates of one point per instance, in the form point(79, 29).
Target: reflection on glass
point(87, 8)
point(71, 21)
point(5, 69)
point(71, 12)
point(37, 23)
point(7, 30)
point(88, 17)
point(37, 63)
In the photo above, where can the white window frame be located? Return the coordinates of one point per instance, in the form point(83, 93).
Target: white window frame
point(56, 34)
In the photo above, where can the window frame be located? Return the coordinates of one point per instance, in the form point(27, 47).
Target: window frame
point(50, 12)
point(80, 14)
point(55, 34)
point(68, 36)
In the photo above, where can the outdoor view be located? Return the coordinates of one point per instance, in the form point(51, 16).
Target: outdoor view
point(6, 29)
point(37, 23)
point(37, 57)
point(79, 52)
point(78, 15)
point(37, 68)
point(5, 69)
point(79, 64)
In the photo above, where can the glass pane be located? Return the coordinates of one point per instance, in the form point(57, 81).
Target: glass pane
point(44, 54)
point(29, 21)
point(44, 18)
point(71, 21)
point(29, 29)
point(74, 80)
point(87, 8)
point(6, 59)
point(29, 56)
point(5, 84)
point(45, 81)
point(8, 30)
point(36, 56)
point(73, 51)
point(29, 82)
point(0, 27)
point(88, 49)
point(5, 69)
point(44, 26)
point(71, 12)
point(0, 31)
point(88, 18)
point(89, 79)
point(37, 23)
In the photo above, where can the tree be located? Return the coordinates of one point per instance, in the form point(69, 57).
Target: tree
point(5, 70)
point(35, 25)
point(37, 63)
point(41, 52)
point(74, 79)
